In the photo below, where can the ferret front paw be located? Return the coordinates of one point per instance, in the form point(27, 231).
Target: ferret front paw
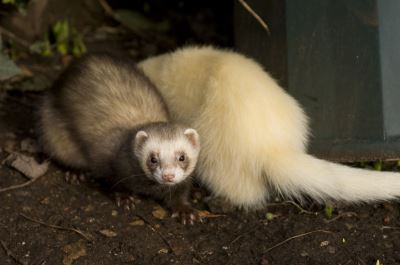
point(74, 178)
point(186, 214)
point(125, 201)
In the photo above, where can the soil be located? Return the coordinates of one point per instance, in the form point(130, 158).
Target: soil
point(52, 222)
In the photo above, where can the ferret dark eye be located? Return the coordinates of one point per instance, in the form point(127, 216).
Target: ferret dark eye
point(182, 158)
point(153, 160)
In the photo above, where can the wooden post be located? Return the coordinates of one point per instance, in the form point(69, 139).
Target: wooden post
point(341, 60)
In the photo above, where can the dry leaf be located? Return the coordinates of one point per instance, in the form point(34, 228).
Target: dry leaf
point(138, 222)
point(74, 251)
point(27, 165)
point(159, 213)
point(45, 201)
point(207, 214)
point(108, 233)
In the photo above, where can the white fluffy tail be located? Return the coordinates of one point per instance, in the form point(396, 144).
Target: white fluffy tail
point(299, 173)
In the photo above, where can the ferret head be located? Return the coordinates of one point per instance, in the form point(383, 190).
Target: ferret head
point(167, 153)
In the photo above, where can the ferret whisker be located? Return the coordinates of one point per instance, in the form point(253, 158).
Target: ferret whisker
point(126, 178)
point(170, 193)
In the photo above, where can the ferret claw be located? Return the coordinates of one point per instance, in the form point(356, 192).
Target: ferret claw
point(175, 215)
point(187, 215)
point(126, 202)
point(74, 178)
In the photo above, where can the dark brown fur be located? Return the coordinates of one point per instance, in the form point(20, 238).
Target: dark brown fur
point(90, 117)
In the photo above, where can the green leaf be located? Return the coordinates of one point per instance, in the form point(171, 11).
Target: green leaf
point(139, 23)
point(42, 47)
point(328, 211)
point(378, 165)
point(61, 32)
point(78, 46)
point(8, 2)
point(8, 68)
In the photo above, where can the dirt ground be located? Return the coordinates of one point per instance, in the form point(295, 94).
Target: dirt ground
point(52, 222)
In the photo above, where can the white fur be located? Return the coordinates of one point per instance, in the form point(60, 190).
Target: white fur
point(254, 134)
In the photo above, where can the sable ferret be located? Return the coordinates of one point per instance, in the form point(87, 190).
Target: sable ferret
point(254, 134)
point(105, 116)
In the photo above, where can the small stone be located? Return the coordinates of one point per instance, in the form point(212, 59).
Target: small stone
point(45, 201)
point(163, 251)
point(89, 208)
point(349, 226)
point(324, 243)
point(26, 209)
point(114, 213)
point(304, 254)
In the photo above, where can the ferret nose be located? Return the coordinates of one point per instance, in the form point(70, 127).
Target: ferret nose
point(168, 177)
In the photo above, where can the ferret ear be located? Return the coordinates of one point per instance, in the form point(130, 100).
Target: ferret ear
point(141, 137)
point(193, 137)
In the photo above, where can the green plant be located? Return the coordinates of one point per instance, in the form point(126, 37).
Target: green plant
point(328, 211)
point(378, 165)
point(67, 40)
point(42, 47)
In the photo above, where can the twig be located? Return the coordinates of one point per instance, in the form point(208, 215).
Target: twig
point(12, 36)
point(390, 227)
point(294, 237)
point(255, 15)
point(77, 231)
point(11, 255)
point(157, 232)
point(345, 214)
point(302, 210)
point(107, 8)
point(241, 235)
point(18, 186)
point(359, 259)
